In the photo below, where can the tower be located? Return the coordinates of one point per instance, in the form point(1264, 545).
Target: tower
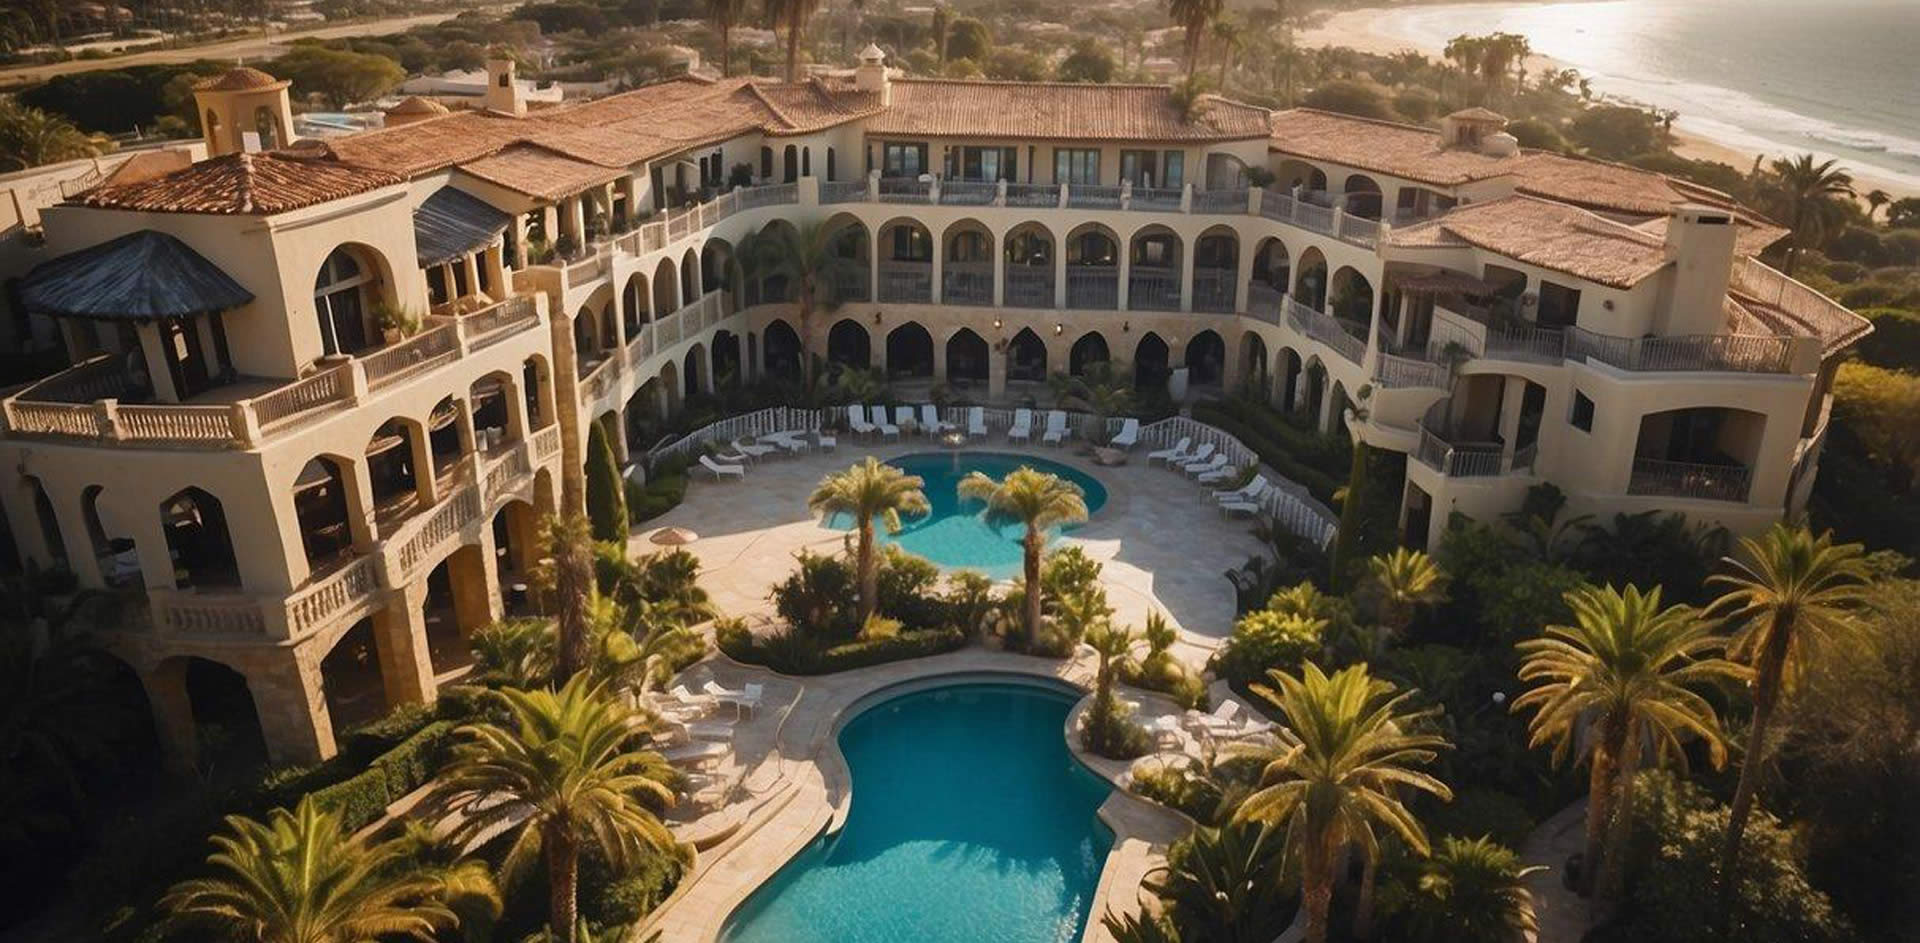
point(244, 109)
point(503, 90)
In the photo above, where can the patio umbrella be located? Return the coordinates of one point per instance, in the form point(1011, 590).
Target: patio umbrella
point(674, 536)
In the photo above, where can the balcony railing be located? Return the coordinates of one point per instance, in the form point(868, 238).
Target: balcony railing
point(55, 408)
point(1153, 289)
point(1148, 200)
point(1265, 302)
point(1213, 289)
point(843, 191)
point(1396, 372)
point(967, 283)
point(1029, 286)
point(1085, 196)
point(851, 286)
point(1467, 460)
point(906, 282)
point(968, 193)
point(1033, 194)
point(1662, 478)
point(1739, 353)
point(1326, 329)
point(1220, 201)
point(904, 190)
point(1093, 287)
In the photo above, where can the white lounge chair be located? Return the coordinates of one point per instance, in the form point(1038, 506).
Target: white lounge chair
point(857, 421)
point(976, 422)
point(1238, 506)
point(1196, 469)
point(1251, 491)
point(930, 421)
point(1221, 475)
point(904, 418)
point(744, 702)
point(1022, 428)
point(729, 470)
point(788, 440)
point(826, 442)
point(754, 451)
point(1201, 454)
point(1056, 428)
point(887, 430)
point(1129, 435)
point(1178, 452)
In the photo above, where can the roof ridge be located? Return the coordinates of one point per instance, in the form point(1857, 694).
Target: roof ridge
point(768, 104)
point(246, 182)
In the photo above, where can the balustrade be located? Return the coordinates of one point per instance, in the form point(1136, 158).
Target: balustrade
point(906, 282)
point(1662, 478)
point(1093, 287)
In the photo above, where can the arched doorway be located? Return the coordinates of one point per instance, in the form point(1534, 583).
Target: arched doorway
point(1362, 196)
point(1090, 349)
point(1206, 359)
point(1310, 280)
point(1253, 365)
point(350, 677)
point(1151, 369)
point(693, 370)
point(1216, 270)
point(666, 289)
point(392, 457)
point(634, 303)
point(906, 269)
point(781, 346)
point(966, 275)
point(1029, 261)
point(226, 723)
point(726, 360)
point(1351, 300)
point(320, 505)
point(848, 345)
point(1153, 270)
point(1289, 379)
point(1026, 357)
point(910, 352)
point(198, 541)
point(1272, 275)
point(1093, 268)
point(966, 358)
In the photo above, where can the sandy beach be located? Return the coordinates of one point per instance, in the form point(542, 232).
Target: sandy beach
point(1371, 31)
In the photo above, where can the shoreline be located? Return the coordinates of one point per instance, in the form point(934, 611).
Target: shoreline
point(1367, 30)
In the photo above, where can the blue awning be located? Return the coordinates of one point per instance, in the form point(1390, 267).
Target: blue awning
point(452, 223)
point(138, 276)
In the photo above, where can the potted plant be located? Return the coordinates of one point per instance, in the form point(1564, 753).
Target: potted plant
point(396, 323)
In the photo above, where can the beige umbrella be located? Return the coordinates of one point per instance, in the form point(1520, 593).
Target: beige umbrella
point(674, 536)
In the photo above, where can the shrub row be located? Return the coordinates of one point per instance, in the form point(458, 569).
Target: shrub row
point(362, 799)
point(795, 655)
point(1276, 455)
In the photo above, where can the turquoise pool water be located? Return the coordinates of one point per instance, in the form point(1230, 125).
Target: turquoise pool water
point(971, 823)
point(956, 534)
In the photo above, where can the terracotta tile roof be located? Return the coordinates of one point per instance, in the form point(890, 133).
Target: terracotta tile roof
point(415, 105)
point(432, 144)
point(1477, 113)
point(539, 172)
point(1040, 110)
point(241, 79)
point(1381, 146)
point(251, 184)
point(1752, 236)
point(1604, 186)
point(1547, 234)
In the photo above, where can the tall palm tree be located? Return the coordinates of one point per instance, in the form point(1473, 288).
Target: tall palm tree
point(30, 137)
point(1038, 500)
point(804, 256)
point(1876, 198)
point(565, 576)
point(1227, 43)
point(1336, 774)
point(724, 15)
point(1810, 195)
point(792, 15)
point(1793, 596)
point(869, 490)
point(1628, 668)
point(1405, 580)
point(564, 773)
point(1113, 646)
point(299, 877)
point(1193, 18)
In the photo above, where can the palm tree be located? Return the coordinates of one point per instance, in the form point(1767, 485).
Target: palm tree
point(793, 16)
point(1038, 500)
point(1626, 668)
point(724, 15)
point(1336, 775)
point(1406, 580)
point(1193, 17)
point(1809, 194)
point(515, 652)
point(1103, 388)
point(30, 137)
point(663, 642)
point(805, 256)
point(1792, 595)
point(1113, 646)
point(565, 575)
point(1227, 41)
point(869, 490)
point(1472, 890)
point(563, 773)
point(1221, 885)
point(300, 877)
point(1876, 198)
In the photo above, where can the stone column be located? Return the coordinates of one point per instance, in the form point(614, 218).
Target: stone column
point(153, 352)
point(476, 585)
point(1186, 274)
point(354, 481)
point(292, 705)
point(1512, 392)
point(426, 485)
point(400, 638)
point(166, 687)
point(996, 370)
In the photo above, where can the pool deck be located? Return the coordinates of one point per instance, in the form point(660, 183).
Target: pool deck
point(1162, 542)
point(788, 783)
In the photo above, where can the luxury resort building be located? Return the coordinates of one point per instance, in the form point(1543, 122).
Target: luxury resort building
point(318, 387)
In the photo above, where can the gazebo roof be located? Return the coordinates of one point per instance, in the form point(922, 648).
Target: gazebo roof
point(138, 276)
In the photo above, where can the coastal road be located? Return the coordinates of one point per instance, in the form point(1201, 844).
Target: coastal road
point(244, 49)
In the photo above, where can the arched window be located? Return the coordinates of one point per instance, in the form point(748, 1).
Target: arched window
point(339, 297)
point(792, 168)
point(766, 163)
point(830, 172)
point(197, 540)
point(268, 127)
point(806, 162)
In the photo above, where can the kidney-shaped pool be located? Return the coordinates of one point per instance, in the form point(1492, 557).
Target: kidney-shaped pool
point(971, 821)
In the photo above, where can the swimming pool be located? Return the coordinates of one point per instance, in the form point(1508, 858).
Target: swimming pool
point(971, 823)
point(956, 534)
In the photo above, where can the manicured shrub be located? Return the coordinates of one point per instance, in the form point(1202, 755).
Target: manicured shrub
point(794, 653)
point(364, 798)
point(1265, 640)
point(606, 494)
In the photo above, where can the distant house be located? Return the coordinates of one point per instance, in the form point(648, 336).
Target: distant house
point(461, 83)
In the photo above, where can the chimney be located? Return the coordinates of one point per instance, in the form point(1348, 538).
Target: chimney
point(1700, 241)
point(503, 92)
point(871, 74)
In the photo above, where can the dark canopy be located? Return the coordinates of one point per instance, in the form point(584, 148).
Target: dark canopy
point(137, 276)
point(452, 223)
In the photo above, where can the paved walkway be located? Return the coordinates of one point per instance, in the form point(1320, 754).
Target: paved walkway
point(1562, 913)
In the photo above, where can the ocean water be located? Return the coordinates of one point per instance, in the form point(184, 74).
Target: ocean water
point(957, 533)
point(971, 823)
point(1840, 78)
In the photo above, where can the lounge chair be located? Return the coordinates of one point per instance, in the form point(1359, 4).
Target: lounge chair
point(887, 430)
point(789, 441)
point(857, 422)
point(754, 451)
point(1238, 506)
point(744, 702)
point(1056, 428)
point(728, 470)
point(827, 443)
point(1196, 469)
point(1251, 491)
point(1129, 436)
point(1177, 453)
point(976, 422)
point(1225, 716)
point(904, 418)
point(930, 421)
point(1224, 473)
point(1022, 428)
point(1201, 454)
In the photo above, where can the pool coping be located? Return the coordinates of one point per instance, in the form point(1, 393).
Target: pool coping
point(721, 879)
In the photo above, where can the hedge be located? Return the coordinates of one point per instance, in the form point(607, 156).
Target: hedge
point(362, 799)
point(1273, 453)
point(794, 655)
point(1895, 341)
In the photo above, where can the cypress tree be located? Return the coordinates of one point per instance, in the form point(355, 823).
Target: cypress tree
point(606, 498)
